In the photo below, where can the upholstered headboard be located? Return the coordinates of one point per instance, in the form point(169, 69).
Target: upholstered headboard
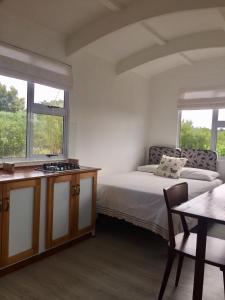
point(156, 153)
point(202, 159)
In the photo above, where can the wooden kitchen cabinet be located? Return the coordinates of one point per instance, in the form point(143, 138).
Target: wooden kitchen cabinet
point(60, 204)
point(20, 210)
point(86, 203)
point(1, 207)
point(40, 211)
point(70, 207)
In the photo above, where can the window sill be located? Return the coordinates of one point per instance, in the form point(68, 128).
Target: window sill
point(23, 162)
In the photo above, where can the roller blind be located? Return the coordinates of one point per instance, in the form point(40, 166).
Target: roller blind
point(208, 99)
point(29, 66)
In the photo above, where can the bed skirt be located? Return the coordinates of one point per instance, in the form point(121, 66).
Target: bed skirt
point(133, 220)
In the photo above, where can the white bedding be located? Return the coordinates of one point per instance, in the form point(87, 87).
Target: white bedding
point(137, 197)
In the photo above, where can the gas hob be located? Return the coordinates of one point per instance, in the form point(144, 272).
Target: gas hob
point(58, 167)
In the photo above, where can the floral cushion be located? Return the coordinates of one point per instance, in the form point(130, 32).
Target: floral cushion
point(170, 166)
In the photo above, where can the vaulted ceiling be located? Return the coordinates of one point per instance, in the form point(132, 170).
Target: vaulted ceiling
point(145, 36)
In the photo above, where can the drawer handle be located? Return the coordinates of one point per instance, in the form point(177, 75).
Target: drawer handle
point(78, 190)
point(73, 190)
point(5, 206)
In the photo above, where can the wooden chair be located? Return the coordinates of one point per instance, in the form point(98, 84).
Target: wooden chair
point(184, 244)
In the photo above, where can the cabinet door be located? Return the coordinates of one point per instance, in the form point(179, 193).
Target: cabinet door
point(1, 207)
point(87, 202)
point(59, 208)
point(20, 220)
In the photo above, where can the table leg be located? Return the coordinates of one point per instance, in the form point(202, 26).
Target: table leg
point(200, 259)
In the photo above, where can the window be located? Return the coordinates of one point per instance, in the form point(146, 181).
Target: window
point(48, 96)
point(195, 132)
point(202, 120)
point(33, 119)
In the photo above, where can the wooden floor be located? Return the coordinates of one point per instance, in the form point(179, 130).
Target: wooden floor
point(122, 262)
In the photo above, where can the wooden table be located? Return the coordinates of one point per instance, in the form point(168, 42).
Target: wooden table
point(208, 207)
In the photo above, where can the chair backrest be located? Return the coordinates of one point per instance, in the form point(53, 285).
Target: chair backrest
point(174, 196)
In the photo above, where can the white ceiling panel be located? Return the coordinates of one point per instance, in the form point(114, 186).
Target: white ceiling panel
point(121, 43)
point(123, 3)
point(115, 5)
point(65, 16)
point(204, 54)
point(222, 12)
point(160, 65)
point(179, 24)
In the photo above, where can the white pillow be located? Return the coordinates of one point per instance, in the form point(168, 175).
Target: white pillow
point(147, 168)
point(170, 166)
point(200, 174)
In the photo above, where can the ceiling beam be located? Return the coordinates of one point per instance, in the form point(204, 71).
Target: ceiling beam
point(209, 39)
point(137, 11)
point(154, 35)
point(187, 60)
point(221, 16)
point(161, 41)
point(110, 4)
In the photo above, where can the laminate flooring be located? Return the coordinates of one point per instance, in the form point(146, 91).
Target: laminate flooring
point(122, 262)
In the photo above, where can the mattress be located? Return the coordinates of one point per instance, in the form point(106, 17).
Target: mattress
point(137, 197)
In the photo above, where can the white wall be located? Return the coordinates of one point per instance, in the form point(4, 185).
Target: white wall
point(165, 90)
point(109, 116)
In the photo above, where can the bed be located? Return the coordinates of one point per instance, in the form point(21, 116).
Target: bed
point(137, 197)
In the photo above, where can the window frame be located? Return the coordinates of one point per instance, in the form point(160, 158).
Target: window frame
point(214, 128)
point(43, 109)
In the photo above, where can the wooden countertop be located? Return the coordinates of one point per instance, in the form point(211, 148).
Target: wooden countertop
point(23, 173)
